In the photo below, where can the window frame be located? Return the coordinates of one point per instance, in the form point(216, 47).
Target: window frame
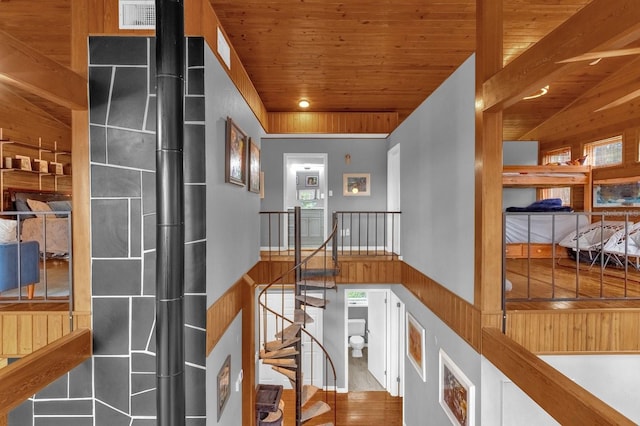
point(589, 147)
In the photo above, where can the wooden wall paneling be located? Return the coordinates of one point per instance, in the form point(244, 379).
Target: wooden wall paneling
point(461, 316)
point(600, 25)
point(558, 395)
point(570, 331)
point(332, 122)
point(24, 122)
point(32, 373)
point(9, 335)
point(222, 312)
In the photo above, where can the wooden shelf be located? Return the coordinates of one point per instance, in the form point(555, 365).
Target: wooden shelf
point(34, 179)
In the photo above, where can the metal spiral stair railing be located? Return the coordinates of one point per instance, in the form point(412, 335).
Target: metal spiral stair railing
point(284, 353)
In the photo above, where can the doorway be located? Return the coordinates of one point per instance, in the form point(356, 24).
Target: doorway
point(305, 187)
point(381, 365)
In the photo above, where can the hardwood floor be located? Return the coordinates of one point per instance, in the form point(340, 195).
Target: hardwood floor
point(354, 409)
point(360, 379)
point(567, 284)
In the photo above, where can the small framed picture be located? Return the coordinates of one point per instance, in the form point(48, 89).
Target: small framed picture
point(224, 385)
point(416, 346)
point(311, 181)
point(235, 154)
point(254, 167)
point(456, 393)
point(356, 184)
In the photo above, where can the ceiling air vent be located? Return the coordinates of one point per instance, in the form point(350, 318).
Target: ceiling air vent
point(137, 14)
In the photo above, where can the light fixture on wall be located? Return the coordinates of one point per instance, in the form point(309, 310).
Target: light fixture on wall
point(543, 91)
point(347, 159)
point(303, 103)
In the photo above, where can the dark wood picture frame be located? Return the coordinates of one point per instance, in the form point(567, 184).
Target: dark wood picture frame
point(254, 167)
point(235, 154)
point(224, 385)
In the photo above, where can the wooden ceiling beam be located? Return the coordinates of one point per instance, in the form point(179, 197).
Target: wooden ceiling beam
point(584, 114)
point(600, 25)
point(28, 69)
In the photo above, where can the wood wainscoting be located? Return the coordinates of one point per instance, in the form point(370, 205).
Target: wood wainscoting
point(23, 332)
point(576, 330)
point(238, 298)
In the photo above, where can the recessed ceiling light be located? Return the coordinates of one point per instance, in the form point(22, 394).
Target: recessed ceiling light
point(303, 103)
point(539, 93)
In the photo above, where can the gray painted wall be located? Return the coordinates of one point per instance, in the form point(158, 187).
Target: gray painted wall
point(232, 222)
point(421, 397)
point(367, 156)
point(437, 181)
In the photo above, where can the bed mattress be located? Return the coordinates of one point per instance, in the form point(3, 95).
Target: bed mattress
point(541, 228)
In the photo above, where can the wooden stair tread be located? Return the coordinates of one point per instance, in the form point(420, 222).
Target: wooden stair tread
point(301, 317)
point(317, 283)
point(307, 393)
point(289, 333)
point(279, 344)
point(282, 362)
point(280, 353)
point(291, 374)
point(273, 416)
point(318, 408)
point(313, 301)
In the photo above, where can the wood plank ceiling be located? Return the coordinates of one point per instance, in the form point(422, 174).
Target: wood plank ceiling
point(350, 55)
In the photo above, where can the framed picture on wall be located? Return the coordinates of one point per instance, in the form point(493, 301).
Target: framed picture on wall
point(254, 167)
point(415, 346)
point(456, 392)
point(235, 154)
point(224, 385)
point(311, 181)
point(356, 184)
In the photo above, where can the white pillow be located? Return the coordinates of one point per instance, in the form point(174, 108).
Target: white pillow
point(38, 206)
point(7, 230)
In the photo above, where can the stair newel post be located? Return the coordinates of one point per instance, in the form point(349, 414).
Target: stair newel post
point(298, 305)
point(334, 244)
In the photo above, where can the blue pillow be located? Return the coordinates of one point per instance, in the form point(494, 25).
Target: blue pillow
point(60, 206)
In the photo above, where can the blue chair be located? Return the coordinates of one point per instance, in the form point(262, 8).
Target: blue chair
point(29, 269)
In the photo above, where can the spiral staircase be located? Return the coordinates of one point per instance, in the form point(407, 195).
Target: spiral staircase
point(315, 400)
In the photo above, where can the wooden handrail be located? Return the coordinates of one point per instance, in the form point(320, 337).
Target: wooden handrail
point(561, 397)
point(27, 376)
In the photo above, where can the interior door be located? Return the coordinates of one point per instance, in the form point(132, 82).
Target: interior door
point(377, 334)
point(393, 199)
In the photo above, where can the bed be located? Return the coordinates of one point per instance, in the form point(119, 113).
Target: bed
point(530, 235)
point(45, 218)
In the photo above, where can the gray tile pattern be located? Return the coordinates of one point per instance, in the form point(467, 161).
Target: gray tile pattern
point(117, 385)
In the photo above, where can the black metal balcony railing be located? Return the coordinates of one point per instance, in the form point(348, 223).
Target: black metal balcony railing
point(359, 233)
point(595, 258)
point(44, 253)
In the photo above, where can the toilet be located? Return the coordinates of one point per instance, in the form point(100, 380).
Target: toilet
point(356, 336)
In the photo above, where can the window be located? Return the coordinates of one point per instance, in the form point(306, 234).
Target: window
point(558, 156)
point(356, 298)
point(605, 152)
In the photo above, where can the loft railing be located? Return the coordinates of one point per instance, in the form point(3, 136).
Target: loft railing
point(359, 233)
point(367, 233)
point(51, 263)
point(595, 257)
